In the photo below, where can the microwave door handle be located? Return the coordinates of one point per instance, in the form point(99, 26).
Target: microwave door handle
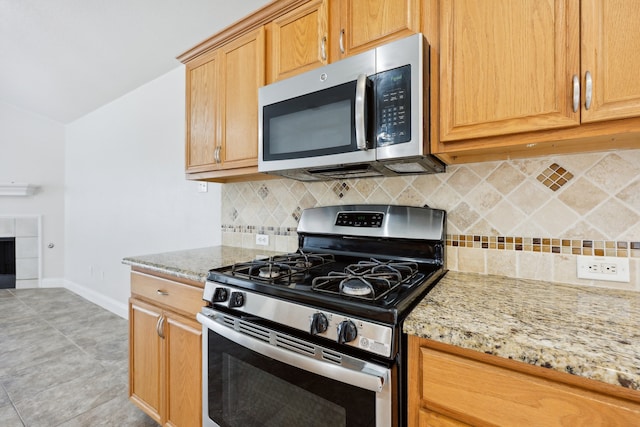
point(361, 132)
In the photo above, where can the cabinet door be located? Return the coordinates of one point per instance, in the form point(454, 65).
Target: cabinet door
point(507, 66)
point(202, 112)
point(242, 73)
point(299, 40)
point(145, 358)
point(610, 46)
point(364, 24)
point(480, 393)
point(183, 370)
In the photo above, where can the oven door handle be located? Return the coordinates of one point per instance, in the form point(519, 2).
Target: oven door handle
point(370, 377)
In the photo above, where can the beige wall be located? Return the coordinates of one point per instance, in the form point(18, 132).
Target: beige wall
point(520, 218)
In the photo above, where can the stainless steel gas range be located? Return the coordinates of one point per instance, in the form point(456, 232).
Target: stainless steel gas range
point(314, 337)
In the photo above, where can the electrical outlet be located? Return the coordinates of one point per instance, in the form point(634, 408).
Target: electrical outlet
point(612, 269)
point(262, 239)
point(203, 187)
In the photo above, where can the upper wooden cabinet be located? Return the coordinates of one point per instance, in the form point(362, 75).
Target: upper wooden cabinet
point(610, 54)
point(506, 66)
point(359, 25)
point(299, 40)
point(221, 105)
point(323, 31)
point(242, 72)
point(512, 78)
point(202, 113)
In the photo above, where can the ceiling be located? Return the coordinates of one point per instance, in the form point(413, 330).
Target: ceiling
point(64, 58)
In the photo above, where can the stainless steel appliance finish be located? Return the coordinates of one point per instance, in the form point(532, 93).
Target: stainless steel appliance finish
point(323, 322)
point(363, 116)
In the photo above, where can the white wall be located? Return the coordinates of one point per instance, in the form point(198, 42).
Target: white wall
point(32, 151)
point(126, 193)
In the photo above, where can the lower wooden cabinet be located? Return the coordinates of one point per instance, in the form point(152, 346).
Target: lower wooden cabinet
point(165, 350)
point(452, 387)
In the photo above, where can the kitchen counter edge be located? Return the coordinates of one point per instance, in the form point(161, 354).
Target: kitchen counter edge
point(194, 264)
point(586, 331)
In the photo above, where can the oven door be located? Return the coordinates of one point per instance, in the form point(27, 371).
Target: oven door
point(256, 376)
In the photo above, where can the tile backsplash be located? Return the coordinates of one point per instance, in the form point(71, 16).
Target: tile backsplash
point(525, 218)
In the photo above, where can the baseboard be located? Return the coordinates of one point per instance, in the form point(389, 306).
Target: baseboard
point(116, 307)
point(57, 282)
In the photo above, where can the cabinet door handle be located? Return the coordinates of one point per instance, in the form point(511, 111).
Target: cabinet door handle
point(342, 41)
point(163, 293)
point(160, 326)
point(323, 48)
point(576, 93)
point(588, 88)
point(217, 154)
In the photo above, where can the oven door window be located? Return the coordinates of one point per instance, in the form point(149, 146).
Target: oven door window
point(316, 124)
point(249, 389)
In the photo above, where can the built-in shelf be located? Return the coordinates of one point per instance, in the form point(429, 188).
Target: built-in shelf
point(17, 189)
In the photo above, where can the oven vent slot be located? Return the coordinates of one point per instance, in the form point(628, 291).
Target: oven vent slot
point(226, 320)
point(331, 356)
point(253, 330)
point(290, 343)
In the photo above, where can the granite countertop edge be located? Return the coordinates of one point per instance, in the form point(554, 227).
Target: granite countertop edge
point(581, 330)
point(170, 271)
point(194, 264)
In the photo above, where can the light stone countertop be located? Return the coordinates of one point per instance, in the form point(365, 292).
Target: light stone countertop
point(586, 331)
point(194, 264)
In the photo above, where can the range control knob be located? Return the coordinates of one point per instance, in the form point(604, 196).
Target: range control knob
point(236, 300)
point(319, 323)
point(347, 331)
point(220, 295)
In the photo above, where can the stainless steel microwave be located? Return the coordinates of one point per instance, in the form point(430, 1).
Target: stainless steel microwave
point(363, 116)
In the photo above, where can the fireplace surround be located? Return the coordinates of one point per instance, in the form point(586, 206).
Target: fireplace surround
point(25, 232)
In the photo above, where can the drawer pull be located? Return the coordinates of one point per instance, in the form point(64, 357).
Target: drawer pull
point(163, 293)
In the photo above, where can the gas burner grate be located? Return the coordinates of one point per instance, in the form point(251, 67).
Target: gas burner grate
point(369, 280)
point(284, 269)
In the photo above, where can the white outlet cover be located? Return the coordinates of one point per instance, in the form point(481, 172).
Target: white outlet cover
point(262, 239)
point(585, 272)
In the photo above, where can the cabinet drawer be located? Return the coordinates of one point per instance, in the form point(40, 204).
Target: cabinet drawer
point(180, 297)
point(482, 394)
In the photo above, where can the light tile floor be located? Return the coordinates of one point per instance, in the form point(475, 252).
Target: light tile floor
point(63, 362)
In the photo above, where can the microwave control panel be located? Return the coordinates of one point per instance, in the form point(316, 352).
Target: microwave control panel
point(393, 106)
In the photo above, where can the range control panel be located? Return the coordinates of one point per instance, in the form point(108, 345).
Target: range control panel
point(360, 219)
point(365, 335)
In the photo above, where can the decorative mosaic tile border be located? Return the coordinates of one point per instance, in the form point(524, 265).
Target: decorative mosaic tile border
point(275, 231)
point(547, 245)
point(508, 243)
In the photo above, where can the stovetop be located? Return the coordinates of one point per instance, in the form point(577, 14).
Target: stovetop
point(380, 290)
point(358, 272)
